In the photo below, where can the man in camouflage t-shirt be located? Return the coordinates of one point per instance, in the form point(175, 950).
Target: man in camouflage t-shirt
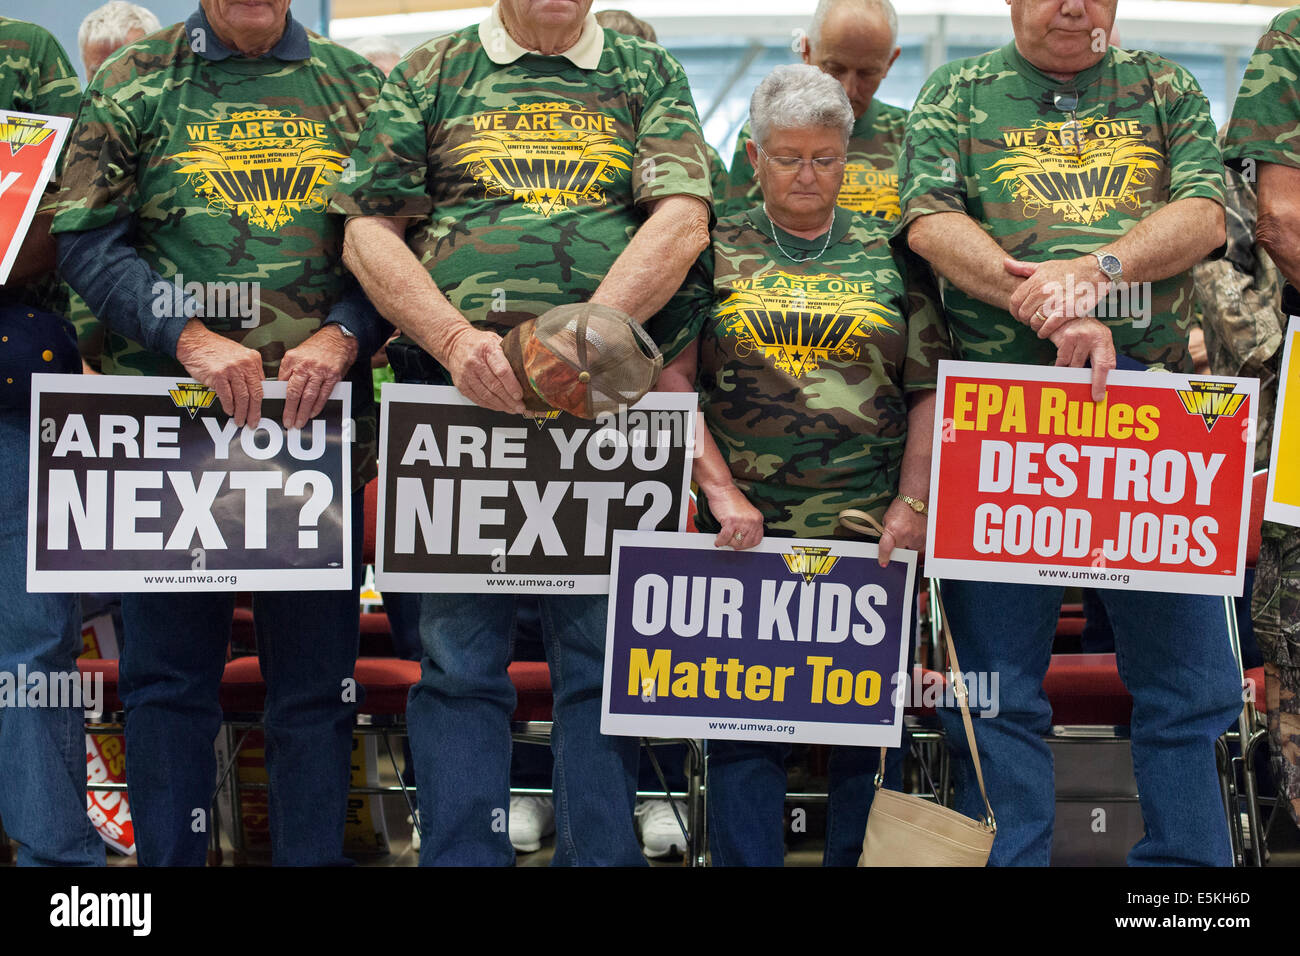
point(855, 41)
point(42, 750)
point(205, 153)
point(1018, 166)
point(1263, 141)
point(527, 162)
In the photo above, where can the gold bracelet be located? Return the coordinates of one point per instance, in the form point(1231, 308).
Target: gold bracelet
point(916, 504)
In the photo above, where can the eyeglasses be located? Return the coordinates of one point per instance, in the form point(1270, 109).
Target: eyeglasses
point(791, 165)
point(1067, 101)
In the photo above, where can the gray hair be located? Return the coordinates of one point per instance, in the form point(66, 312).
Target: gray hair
point(113, 21)
point(824, 8)
point(620, 21)
point(797, 95)
point(377, 46)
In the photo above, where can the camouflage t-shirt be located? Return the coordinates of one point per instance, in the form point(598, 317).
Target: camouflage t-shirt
point(525, 179)
point(986, 138)
point(35, 74)
point(36, 77)
point(1265, 124)
point(804, 367)
point(225, 166)
point(870, 175)
point(717, 177)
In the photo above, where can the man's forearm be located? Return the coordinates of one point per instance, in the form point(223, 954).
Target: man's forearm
point(1278, 230)
point(375, 251)
point(958, 249)
point(652, 267)
point(120, 288)
point(1171, 240)
point(914, 476)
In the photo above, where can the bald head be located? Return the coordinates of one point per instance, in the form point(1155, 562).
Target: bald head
point(855, 41)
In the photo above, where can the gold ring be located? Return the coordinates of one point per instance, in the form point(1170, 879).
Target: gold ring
point(739, 536)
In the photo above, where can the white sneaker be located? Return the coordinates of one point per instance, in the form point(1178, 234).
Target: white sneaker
point(660, 832)
point(414, 821)
point(531, 818)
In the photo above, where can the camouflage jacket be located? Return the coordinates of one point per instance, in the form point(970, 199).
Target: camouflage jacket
point(225, 165)
point(805, 366)
point(1265, 125)
point(986, 138)
point(525, 174)
point(1265, 128)
point(1240, 298)
point(870, 175)
point(37, 77)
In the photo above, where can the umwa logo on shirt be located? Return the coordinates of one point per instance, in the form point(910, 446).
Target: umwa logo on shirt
point(547, 156)
point(1079, 170)
point(798, 322)
point(870, 191)
point(265, 165)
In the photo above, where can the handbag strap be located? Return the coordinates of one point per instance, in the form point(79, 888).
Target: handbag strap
point(959, 690)
point(855, 519)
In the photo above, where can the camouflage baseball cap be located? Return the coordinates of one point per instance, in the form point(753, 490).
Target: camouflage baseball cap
point(584, 359)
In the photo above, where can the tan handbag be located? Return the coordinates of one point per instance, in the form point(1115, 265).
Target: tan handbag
point(907, 830)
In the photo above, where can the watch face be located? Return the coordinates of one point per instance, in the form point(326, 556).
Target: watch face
point(1110, 265)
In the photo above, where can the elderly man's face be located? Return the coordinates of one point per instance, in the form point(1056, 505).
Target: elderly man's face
point(1060, 36)
point(854, 47)
point(94, 55)
point(809, 193)
point(548, 14)
point(237, 19)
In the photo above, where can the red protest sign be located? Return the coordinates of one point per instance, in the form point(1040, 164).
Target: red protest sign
point(29, 148)
point(1032, 482)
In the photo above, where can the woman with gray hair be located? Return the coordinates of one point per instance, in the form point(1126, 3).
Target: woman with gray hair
point(814, 348)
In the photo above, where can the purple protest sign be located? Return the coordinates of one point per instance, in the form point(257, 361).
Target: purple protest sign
point(795, 640)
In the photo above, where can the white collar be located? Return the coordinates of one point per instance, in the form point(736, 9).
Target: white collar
point(502, 49)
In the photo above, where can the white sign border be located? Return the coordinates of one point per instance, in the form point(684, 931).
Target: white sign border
point(805, 731)
point(1173, 582)
point(402, 582)
point(1274, 510)
point(62, 127)
point(131, 581)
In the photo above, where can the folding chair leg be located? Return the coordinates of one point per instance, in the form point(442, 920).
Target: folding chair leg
point(1258, 835)
point(406, 794)
point(697, 840)
point(1228, 791)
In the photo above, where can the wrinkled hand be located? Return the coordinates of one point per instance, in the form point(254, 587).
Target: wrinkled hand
point(1085, 339)
point(1041, 301)
point(904, 528)
point(481, 373)
point(226, 367)
point(312, 369)
point(736, 516)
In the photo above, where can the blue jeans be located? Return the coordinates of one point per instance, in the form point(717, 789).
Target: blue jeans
point(458, 717)
point(1174, 658)
point(173, 656)
point(42, 749)
point(746, 801)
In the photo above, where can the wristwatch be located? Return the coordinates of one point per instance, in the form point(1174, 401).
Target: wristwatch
point(916, 504)
point(1109, 264)
point(346, 332)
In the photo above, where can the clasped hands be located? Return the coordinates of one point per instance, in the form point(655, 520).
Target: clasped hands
point(1056, 300)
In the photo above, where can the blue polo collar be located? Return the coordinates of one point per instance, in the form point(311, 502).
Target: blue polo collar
point(292, 45)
